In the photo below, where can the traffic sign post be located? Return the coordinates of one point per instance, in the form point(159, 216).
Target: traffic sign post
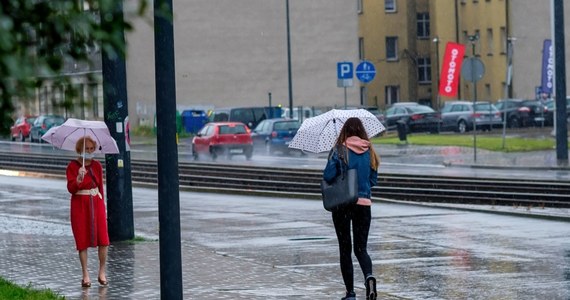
point(345, 73)
point(365, 71)
point(473, 70)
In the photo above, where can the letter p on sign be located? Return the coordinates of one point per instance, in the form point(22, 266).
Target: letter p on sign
point(344, 70)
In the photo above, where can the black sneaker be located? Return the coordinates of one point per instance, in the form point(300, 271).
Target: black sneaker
point(370, 284)
point(349, 296)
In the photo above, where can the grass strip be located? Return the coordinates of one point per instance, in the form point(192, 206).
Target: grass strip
point(9, 290)
point(493, 143)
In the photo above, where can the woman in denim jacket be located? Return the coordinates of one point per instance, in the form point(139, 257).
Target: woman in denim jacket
point(354, 148)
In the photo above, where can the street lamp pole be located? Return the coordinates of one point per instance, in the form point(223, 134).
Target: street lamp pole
point(473, 39)
point(436, 41)
point(289, 62)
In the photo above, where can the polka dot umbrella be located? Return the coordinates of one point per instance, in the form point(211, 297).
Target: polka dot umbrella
point(319, 134)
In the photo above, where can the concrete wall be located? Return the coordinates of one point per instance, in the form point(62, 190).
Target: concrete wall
point(232, 53)
point(531, 25)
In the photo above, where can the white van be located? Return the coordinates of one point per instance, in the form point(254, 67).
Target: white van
point(307, 112)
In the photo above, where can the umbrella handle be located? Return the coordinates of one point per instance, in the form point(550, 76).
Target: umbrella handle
point(83, 153)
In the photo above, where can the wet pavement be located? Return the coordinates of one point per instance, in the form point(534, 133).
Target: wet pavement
point(249, 247)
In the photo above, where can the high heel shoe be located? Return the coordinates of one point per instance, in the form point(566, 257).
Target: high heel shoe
point(85, 284)
point(102, 282)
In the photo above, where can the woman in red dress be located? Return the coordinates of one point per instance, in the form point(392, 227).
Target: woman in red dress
point(88, 215)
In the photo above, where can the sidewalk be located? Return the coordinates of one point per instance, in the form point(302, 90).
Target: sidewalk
point(35, 240)
point(37, 248)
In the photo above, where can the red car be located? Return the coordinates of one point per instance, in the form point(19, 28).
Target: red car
point(223, 138)
point(21, 128)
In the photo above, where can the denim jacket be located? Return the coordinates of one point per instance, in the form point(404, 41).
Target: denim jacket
point(367, 177)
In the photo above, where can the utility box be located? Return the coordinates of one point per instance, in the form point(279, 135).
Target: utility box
point(194, 120)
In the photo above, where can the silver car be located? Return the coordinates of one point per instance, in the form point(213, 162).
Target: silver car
point(461, 115)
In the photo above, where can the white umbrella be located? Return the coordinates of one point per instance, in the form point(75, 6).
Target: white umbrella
point(319, 134)
point(67, 134)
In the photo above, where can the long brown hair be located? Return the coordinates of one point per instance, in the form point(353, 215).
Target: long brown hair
point(354, 127)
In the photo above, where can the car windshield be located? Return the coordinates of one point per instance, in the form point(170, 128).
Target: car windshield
point(54, 121)
point(485, 107)
point(288, 125)
point(420, 109)
point(232, 129)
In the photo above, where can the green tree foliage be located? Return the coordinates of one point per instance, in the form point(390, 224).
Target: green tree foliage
point(37, 37)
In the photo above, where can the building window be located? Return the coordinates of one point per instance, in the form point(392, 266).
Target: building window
point(363, 96)
point(392, 94)
point(392, 48)
point(359, 6)
point(361, 48)
point(488, 90)
point(390, 5)
point(424, 70)
point(490, 44)
point(423, 25)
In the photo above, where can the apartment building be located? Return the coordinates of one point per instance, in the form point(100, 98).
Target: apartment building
point(406, 39)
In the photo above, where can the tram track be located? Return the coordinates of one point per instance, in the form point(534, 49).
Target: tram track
point(296, 182)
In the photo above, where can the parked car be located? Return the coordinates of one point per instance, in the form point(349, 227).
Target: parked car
point(275, 135)
point(42, 124)
point(415, 117)
point(21, 128)
point(223, 138)
point(460, 116)
point(373, 110)
point(521, 113)
point(250, 116)
point(550, 111)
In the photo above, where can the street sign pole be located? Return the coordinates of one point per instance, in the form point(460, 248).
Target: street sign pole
point(345, 101)
point(473, 70)
point(365, 72)
point(344, 77)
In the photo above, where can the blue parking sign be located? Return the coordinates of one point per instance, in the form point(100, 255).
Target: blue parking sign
point(365, 71)
point(344, 70)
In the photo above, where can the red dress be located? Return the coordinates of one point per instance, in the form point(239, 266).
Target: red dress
point(88, 216)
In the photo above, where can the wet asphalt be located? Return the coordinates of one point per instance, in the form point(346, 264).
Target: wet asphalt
point(250, 247)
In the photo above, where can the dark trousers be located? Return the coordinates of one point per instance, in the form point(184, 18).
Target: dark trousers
point(360, 218)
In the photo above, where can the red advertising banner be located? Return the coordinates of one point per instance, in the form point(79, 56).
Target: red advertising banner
point(450, 69)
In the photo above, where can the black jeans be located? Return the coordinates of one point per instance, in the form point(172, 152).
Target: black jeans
point(360, 217)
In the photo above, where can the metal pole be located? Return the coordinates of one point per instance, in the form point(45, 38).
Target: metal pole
point(560, 67)
point(438, 98)
point(167, 154)
point(473, 40)
point(118, 166)
point(345, 101)
point(289, 62)
point(270, 108)
point(507, 84)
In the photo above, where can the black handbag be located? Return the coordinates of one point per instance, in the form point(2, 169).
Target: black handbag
point(342, 191)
